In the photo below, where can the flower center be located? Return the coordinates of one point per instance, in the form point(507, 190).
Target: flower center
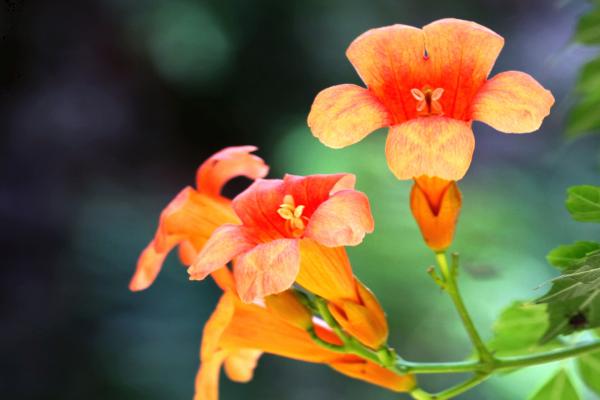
point(295, 222)
point(428, 101)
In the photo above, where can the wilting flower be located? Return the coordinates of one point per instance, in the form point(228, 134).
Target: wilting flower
point(435, 204)
point(190, 218)
point(237, 333)
point(286, 223)
point(428, 85)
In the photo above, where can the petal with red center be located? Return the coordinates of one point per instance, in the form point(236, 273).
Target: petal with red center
point(342, 220)
point(311, 191)
point(226, 242)
point(343, 115)
point(390, 62)
point(461, 55)
point(257, 208)
point(512, 102)
point(149, 265)
point(434, 146)
point(229, 163)
point(267, 269)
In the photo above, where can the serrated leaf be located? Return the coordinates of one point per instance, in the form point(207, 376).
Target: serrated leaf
point(588, 366)
point(588, 28)
point(559, 387)
point(574, 298)
point(568, 255)
point(583, 202)
point(519, 329)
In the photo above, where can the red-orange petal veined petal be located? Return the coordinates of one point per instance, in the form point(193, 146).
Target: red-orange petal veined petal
point(149, 265)
point(367, 371)
point(312, 190)
point(342, 220)
point(257, 208)
point(461, 55)
point(390, 62)
point(226, 242)
point(240, 364)
point(344, 114)
point(229, 163)
point(433, 146)
point(268, 268)
point(512, 102)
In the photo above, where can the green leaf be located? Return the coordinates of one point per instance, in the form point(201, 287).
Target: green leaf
point(566, 256)
point(583, 202)
point(589, 77)
point(588, 28)
point(559, 387)
point(584, 117)
point(574, 298)
point(588, 366)
point(519, 329)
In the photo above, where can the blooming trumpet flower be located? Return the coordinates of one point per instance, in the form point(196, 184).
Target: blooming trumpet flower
point(290, 231)
point(194, 214)
point(435, 204)
point(428, 85)
point(237, 333)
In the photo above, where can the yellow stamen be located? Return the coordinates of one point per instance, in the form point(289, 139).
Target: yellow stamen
point(428, 101)
point(292, 214)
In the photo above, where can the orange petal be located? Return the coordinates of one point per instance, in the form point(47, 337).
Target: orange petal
point(372, 373)
point(207, 379)
point(312, 190)
point(364, 320)
point(390, 62)
point(228, 163)
point(194, 216)
point(149, 265)
point(461, 55)
point(240, 365)
point(255, 327)
point(343, 115)
point(436, 218)
point(287, 306)
point(512, 102)
point(326, 271)
point(434, 146)
point(267, 269)
point(226, 242)
point(342, 220)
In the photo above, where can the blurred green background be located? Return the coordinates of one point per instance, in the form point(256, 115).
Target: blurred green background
point(109, 106)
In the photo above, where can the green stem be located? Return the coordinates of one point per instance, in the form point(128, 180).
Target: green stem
point(452, 289)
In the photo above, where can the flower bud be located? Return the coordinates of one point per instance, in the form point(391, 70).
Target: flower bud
point(435, 204)
point(365, 320)
point(287, 306)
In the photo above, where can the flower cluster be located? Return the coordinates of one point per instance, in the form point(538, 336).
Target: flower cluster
point(277, 250)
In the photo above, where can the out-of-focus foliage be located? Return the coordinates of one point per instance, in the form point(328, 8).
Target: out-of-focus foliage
point(519, 329)
point(583, 202)
point(559, 387)
point(589, 370)
point(584, 117)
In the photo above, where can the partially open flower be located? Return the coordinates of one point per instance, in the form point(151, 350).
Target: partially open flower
point(435, 203)
point(190, 218)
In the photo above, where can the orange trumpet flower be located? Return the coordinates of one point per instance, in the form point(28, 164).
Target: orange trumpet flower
point(237, 333)
point(190, 218)
point(285, 224)
point(428, 85)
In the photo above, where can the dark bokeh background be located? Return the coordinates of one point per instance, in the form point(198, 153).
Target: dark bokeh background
point(108, 106)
